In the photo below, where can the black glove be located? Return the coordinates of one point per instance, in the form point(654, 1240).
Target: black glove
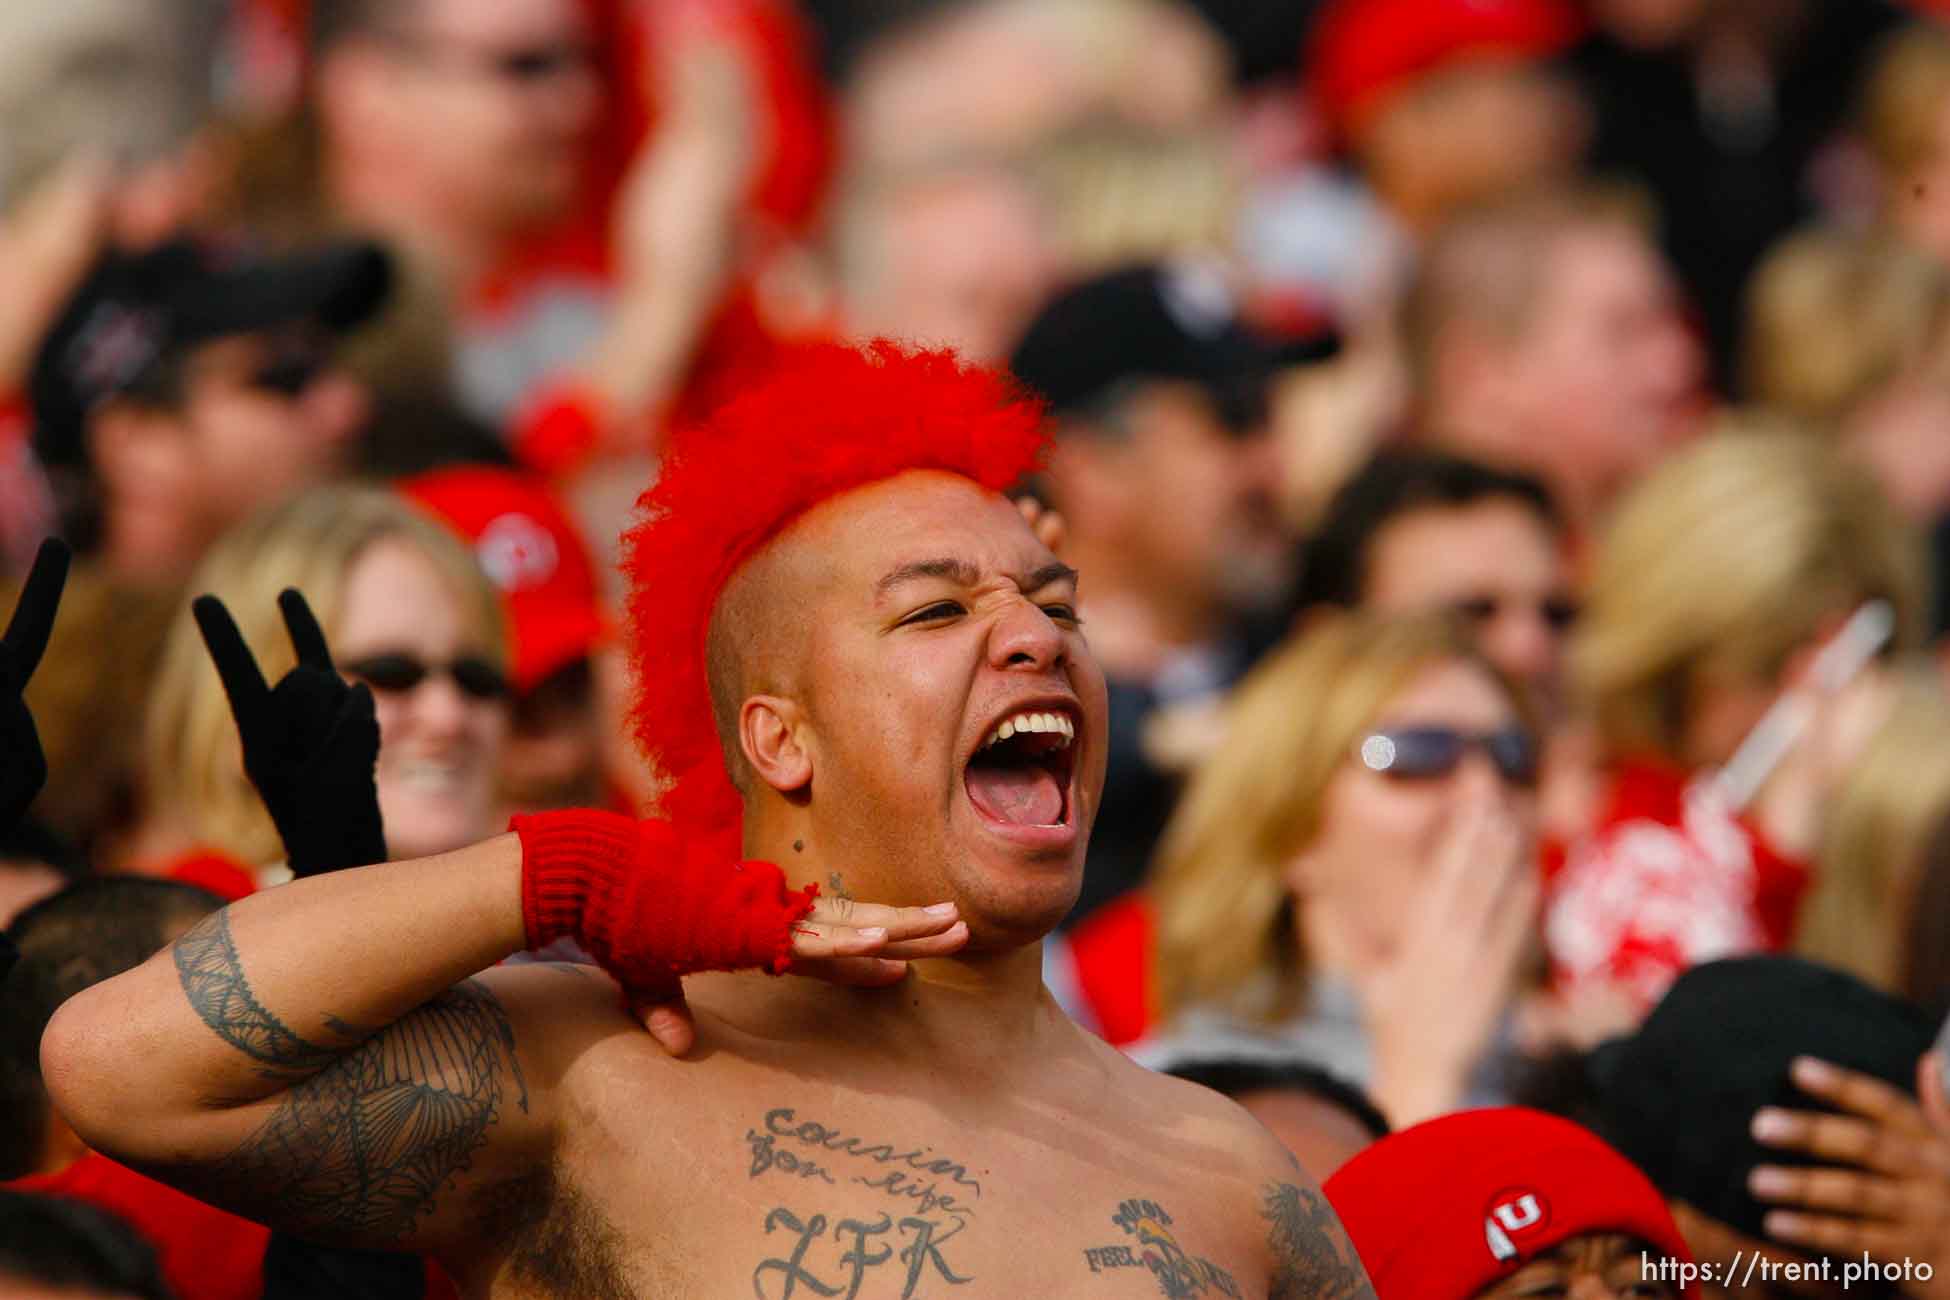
point(310, 743)
point(23, 767)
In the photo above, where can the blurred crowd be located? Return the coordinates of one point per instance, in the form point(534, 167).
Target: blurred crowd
point(1506, 444)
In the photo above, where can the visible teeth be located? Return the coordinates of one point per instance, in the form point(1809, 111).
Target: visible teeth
point(1058, 723)
point(427, 775)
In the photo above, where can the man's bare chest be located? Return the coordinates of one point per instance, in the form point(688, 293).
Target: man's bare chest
point(795, 1193)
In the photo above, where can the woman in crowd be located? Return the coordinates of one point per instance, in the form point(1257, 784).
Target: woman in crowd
point(406, 610)
point(1351, 877)
point(1862, 912)
point(1721, 577)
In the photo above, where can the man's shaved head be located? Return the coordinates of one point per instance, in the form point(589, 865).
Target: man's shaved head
point(759, 637)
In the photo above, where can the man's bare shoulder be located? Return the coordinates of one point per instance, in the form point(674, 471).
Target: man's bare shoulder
point(562, 1015)
point(1160, 1100)
point(1213, 1144)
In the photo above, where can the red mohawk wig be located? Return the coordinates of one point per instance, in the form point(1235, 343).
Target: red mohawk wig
point(828, 419)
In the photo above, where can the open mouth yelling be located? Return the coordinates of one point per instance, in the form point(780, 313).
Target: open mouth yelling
point(1020, 776)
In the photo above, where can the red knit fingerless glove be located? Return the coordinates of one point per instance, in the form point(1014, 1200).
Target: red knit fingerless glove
point(646, 909)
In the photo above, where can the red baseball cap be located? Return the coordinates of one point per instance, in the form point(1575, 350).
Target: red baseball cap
point(530, 550)
point(1362, 49)
point(1446, 1208)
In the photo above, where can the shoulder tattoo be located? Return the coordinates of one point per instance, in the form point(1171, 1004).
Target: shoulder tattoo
point(1312, 1257)
point(213, 980)
point(360, 1150)
point(367, 1133)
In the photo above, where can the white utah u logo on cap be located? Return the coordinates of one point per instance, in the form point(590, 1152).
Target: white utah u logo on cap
point(1519, 1214)
point(1508, 1214)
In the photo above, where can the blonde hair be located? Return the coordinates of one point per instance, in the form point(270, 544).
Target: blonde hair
point(1219, 883)
point(1874, 835)
point(1725, 559)
point(1122, 194)
point(193, 775)
point(1833, 316)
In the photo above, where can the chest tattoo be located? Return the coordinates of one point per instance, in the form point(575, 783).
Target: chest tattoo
point(814, 1250)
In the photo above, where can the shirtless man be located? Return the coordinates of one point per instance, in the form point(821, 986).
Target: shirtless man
point(325, 1057)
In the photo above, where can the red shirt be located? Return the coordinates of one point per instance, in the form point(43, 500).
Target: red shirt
point(206, 1254)
point(1668, 879)
point(217, 872)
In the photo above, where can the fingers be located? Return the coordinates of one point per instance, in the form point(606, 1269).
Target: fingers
point(1856, 1194)
point(307, 638)
point(1838, 1138)
point(1480, 867)
point(33, 620)
point(667, 1018)
point(814, 940)
point(1933, 1087)
point(243, 682)
point(898, 922)
point(1829, 1234)
point(949, 941)
point(1859, 1094)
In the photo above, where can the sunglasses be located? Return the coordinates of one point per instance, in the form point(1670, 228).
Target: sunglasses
point(290, 373)
point(541, 63)
point(1423, 753)
point(1559, 612)
point(397, 673)
point(522, 66)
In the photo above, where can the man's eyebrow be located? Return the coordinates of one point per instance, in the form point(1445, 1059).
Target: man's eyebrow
point(957, 571)
point(1055, 571)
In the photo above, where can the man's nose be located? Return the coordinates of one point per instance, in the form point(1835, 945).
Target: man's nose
point(1524, 644)
point(337, 406)
point(1025, 637)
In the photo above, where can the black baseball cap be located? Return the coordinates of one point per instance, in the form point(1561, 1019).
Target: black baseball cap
point(1678, 1095)
point(134, 310)
point(1156, 321)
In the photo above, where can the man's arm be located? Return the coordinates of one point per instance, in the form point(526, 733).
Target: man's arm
point(1312, 1257)
point(1308, 1253)
point(342, 1078)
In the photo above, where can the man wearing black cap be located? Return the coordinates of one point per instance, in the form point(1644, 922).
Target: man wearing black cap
point(176, 392)
point(179, 391)
point(1680, 1098)
point(1166, 474)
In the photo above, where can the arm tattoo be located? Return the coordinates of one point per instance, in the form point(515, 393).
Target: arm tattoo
point(359, 1150)
point(213, 981)
point(1312, 1257)
point(361, 1143)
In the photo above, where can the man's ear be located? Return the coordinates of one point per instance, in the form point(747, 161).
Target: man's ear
point(770, 729)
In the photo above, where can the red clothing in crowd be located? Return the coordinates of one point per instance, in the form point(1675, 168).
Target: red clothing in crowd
point(1668, 879)
point(520, 330)
point(219, 873)
point(1114, 954)
point(205, 1253)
